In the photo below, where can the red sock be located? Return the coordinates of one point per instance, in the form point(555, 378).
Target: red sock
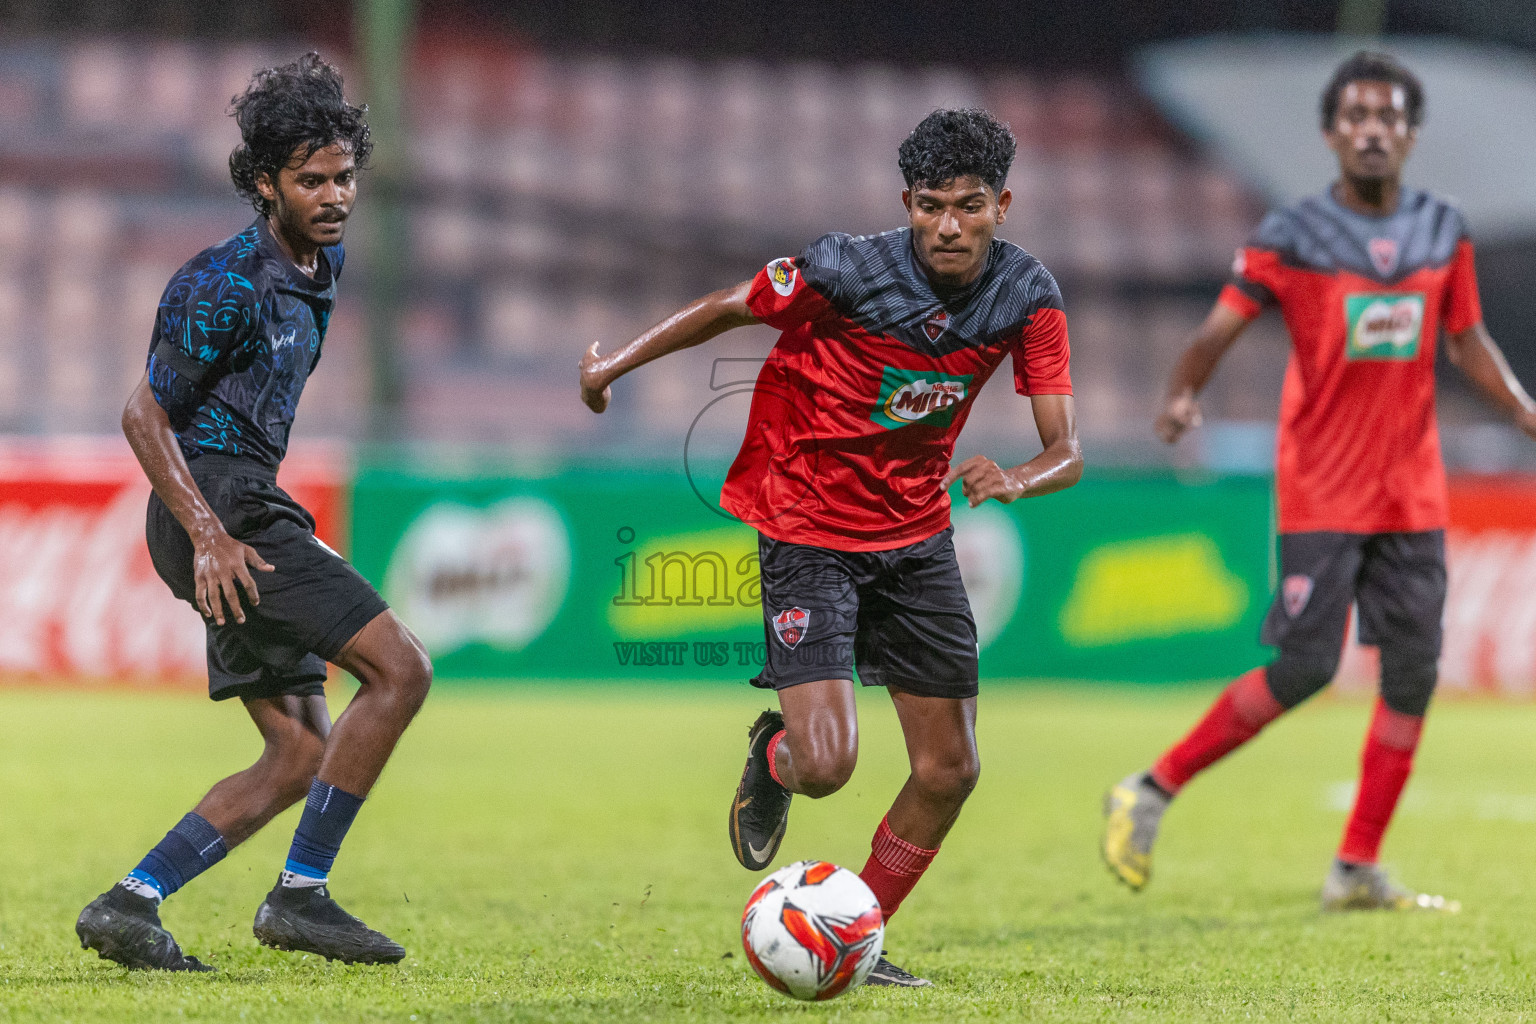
point(893, 868)
point(1244, 707)
point(773, 748)
point(1385, 762)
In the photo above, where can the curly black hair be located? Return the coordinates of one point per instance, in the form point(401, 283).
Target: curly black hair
point(1369, 66)
point(287, 113)
point(950, 144)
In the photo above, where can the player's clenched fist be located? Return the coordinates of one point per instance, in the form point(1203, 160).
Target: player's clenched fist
point(981, 478)
point(595, 392)
point(1179, 414)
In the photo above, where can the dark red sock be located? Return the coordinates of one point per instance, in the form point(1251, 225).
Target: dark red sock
point(1244, 707)
point(893, 868)
point(1385, 763)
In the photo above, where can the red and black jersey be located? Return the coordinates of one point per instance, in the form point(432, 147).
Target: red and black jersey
point(856, 410)
point(1364, 299)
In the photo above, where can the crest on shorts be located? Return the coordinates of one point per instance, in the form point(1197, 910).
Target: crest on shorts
point(1296, 591)
point(1384, 255)
point(791, 624)
point(936, 325)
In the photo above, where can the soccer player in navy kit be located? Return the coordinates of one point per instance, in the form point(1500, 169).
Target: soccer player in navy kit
point(844, 473)
point(238, 332)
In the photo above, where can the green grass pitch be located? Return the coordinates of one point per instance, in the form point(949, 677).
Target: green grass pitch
point(559, 853)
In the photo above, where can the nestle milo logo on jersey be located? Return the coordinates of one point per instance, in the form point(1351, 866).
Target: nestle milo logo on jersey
point(1383, 325)
point(919, 396)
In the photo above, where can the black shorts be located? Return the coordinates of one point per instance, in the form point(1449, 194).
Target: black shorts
point(1396, 579)
point(310, 606)
point(901, 616)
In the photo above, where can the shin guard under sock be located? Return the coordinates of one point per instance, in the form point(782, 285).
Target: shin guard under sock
point(1385, 763)
point(328, 813)
point(1244, 707)
point(893, 868)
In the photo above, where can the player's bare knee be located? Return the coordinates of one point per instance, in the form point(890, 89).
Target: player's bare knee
point(947, 779)
point(407, 679)
point(824, 775)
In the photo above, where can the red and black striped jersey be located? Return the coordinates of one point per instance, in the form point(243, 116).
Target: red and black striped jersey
point(1364, 299)
point(856, 410)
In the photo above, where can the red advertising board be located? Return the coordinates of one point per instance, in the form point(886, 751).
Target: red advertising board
point(1490, 610)
point(79, 599)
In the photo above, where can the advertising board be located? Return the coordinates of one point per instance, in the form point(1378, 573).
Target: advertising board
point(611, 574)
point(79, 599)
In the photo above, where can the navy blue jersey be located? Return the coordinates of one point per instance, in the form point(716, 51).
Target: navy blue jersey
point(239, 331)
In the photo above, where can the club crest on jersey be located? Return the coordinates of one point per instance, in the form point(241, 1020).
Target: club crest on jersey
point(781, 274)
point(936, 325)
point(790, 625)
point(1296, 591)
point(919, 396)
point(1384, 255)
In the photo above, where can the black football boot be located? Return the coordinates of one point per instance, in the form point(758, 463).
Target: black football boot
point(887, 973)
point(760, 808)
point(307, 919)
point(125, 928)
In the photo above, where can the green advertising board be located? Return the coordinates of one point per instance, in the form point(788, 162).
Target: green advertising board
point(623, 572)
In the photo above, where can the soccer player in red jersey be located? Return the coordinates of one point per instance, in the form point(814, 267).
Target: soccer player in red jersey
point(886, 339)
point(1366, 275)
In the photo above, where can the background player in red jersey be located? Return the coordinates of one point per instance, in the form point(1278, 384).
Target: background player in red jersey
point(844, 472)
point(1366, 275)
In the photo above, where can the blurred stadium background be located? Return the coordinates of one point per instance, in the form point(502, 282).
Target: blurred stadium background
point(551, 175)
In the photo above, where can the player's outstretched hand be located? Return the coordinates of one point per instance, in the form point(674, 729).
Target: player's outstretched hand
point(981, 478)
point(1179, 414)
point(595, 394)
point(218, 562)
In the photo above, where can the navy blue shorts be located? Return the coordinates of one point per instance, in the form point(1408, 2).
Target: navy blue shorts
point(901, 617)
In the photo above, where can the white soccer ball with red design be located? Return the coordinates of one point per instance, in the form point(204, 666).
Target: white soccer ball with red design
point(812, 930)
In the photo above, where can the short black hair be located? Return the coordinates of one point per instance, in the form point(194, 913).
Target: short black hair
point(292, 110)
point(950, 144)
point(1370, 66)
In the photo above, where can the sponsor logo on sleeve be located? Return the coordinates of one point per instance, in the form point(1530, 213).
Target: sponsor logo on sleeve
point(1383, 255)
point(919, 396)
point(1383, 325)
point(782, 274)
point(790, 625)
point(1295, 592)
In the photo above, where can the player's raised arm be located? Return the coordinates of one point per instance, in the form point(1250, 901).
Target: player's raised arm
point(1181, 409)
point(218, 559)
point(1056, 468)
point(1475, 354)
point(692, 325)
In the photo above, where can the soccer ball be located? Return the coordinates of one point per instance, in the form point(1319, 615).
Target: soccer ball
point(812, 930)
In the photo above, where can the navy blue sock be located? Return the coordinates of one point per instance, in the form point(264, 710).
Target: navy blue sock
point(187, 850)
point(328, 813)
